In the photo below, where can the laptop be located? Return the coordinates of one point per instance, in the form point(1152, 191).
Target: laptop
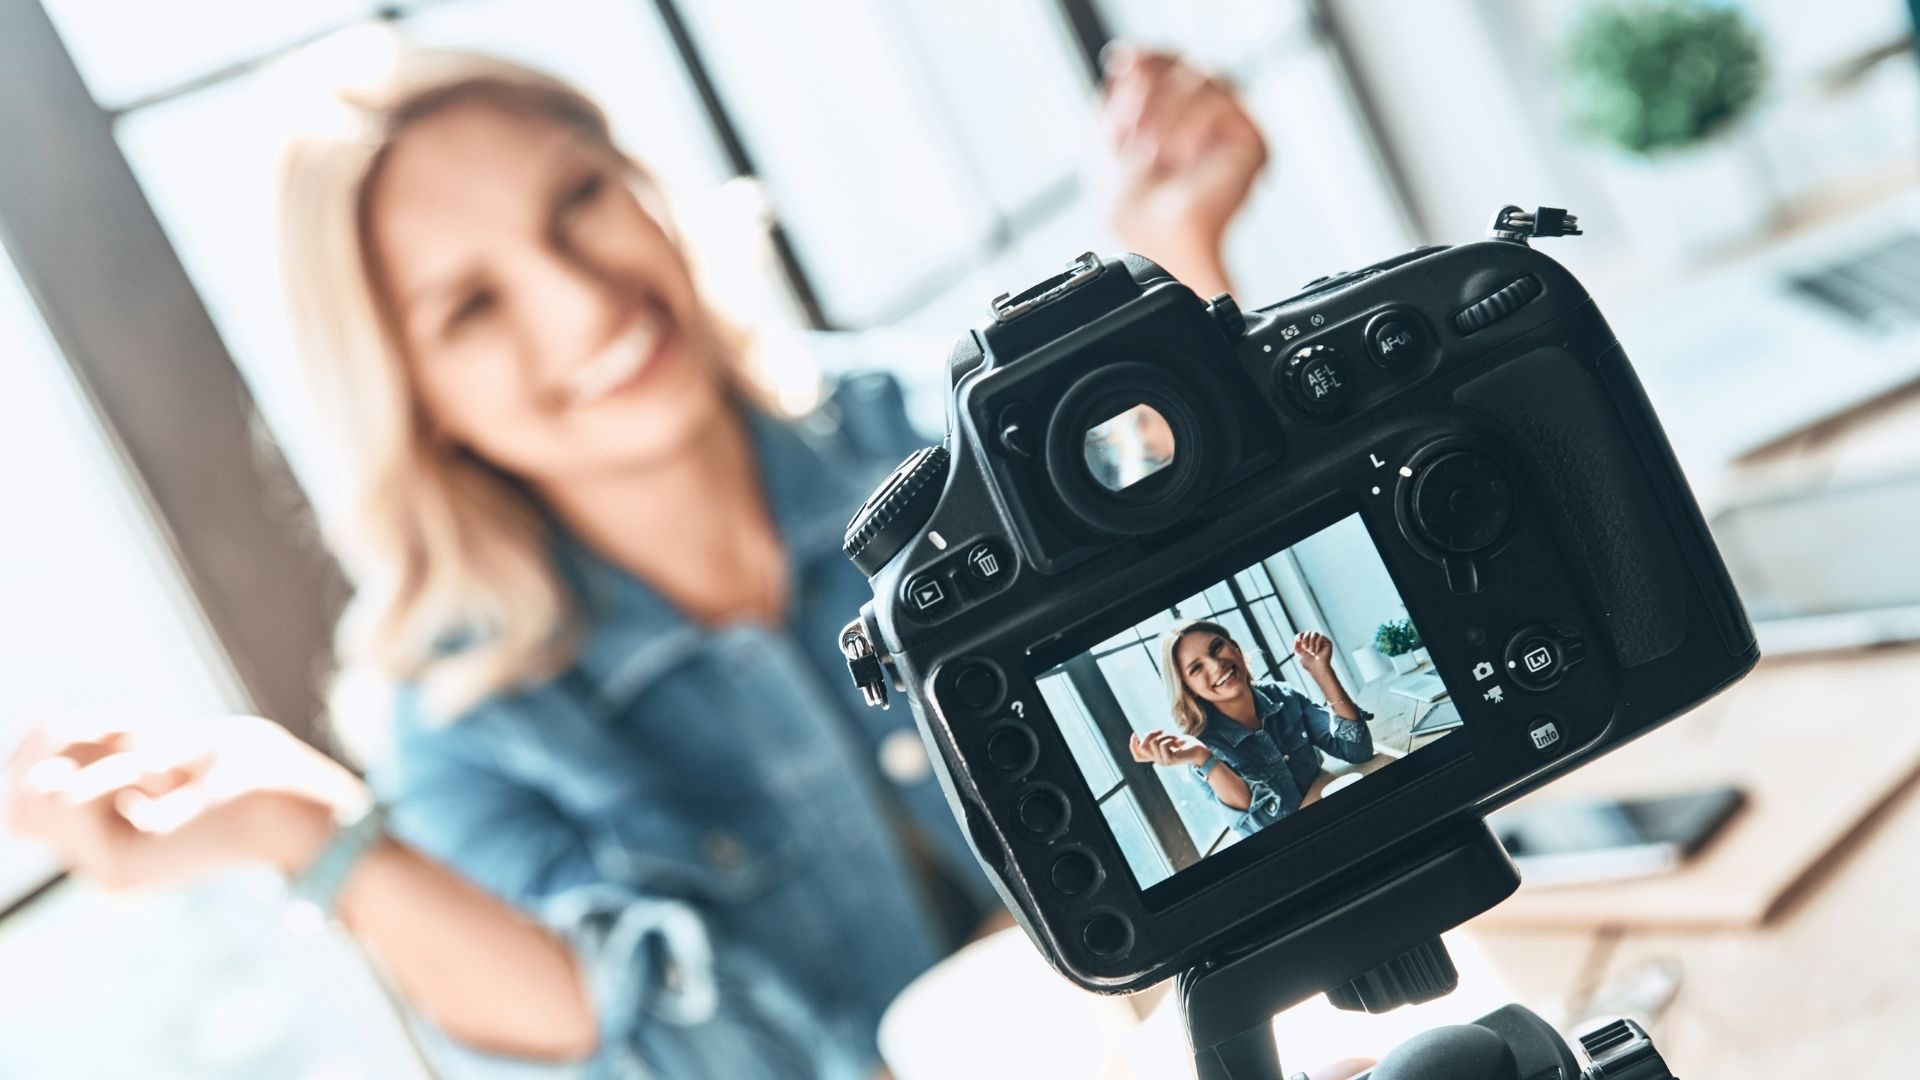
point(1816, 326)
point(1837, 567)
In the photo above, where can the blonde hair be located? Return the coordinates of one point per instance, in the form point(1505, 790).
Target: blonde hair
point(451, 559)
point(1188, 711)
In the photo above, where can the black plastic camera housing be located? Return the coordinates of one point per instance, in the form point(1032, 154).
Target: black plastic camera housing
point(1469, 403)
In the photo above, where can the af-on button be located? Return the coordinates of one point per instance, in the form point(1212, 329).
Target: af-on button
point(1395, 339)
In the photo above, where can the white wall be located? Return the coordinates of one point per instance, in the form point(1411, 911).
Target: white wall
point(1350, 582)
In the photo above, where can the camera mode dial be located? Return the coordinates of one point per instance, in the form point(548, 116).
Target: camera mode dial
point(896, 510)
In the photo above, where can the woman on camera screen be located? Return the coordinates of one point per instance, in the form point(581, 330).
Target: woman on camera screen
point(1256, 745)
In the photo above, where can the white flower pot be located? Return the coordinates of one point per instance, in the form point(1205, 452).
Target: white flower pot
point(1421, 656)
point(1404, 663)
point(1369, 664)
point(1683, 205)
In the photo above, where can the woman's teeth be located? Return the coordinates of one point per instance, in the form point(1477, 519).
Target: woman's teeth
point(618, 363)
point(1226, 677)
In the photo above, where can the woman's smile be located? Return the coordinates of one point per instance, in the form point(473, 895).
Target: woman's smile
point(1229, 676)
point(625, 361)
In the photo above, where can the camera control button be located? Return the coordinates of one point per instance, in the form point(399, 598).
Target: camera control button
point(1017, 424)
point(1395, 340)
point(1226, 315)
point(1538, 657)
point(1107, 934)
point(896, 510)
point(929, 596)
point(1012, 748)
point(987, 563)
point(1042, 812)
point(975, 686)
point(1462, 502)
point(1317, 380)
point(1498, 305)
point(1546, 735)
point(1074, 873)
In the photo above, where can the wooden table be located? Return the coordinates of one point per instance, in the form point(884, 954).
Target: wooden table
point(1830, 985)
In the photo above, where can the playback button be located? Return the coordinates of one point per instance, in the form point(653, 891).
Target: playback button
point(929, 597)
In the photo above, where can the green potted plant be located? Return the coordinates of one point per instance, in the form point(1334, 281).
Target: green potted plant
point(1666, 85)
point(1397, 640)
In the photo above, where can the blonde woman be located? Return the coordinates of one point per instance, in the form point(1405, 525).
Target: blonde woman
point(1257, 746)
point(637, 813)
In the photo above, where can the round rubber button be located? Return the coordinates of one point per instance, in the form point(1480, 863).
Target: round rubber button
point(1107, 934)
point(1074, 873)
point(1395, 341)
point(1316, 377)
point(1043, 811)
point(1538, 657)
point(1012, 747)
point(977, 686)
point(1462, 502)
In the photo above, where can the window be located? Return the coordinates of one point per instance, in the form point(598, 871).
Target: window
point(204, 981)
point(889, 154)
point(912, 187)
point(94, 616)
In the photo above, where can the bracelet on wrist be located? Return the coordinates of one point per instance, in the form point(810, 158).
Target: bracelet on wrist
point(315, 890)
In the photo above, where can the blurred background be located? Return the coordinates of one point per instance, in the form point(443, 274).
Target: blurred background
point(884, 165)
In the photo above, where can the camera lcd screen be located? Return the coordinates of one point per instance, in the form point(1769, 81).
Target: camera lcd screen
point(1226, 712)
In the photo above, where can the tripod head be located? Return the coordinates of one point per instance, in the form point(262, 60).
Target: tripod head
point(1376, 948)
point(1512, 1043)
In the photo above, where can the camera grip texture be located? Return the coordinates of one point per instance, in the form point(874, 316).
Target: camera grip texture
point(1574, 436)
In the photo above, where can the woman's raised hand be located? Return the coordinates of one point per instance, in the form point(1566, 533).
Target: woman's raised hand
point(134, 804)
point(1315, 651)
point(1188, 153)
point(1163, 748)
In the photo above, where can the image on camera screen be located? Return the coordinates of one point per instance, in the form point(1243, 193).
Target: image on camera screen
point(1227, 712)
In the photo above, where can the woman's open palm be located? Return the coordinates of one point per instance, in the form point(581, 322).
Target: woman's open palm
point(1163, 748)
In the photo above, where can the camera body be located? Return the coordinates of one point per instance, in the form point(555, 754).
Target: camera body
point(1460, 418)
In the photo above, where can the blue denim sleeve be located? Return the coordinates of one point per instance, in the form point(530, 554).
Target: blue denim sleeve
point(669, 998)
point(1348, 740)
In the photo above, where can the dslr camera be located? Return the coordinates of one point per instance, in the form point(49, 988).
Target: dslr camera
point(1229, 627)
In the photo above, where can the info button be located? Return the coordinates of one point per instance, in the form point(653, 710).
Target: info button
point(1546, 736)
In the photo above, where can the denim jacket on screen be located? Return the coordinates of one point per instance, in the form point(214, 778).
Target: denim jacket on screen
point(1281, 760)
point(703, 812)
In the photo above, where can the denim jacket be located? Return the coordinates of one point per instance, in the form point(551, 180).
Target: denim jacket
point(704, 813)
point(1281, 760)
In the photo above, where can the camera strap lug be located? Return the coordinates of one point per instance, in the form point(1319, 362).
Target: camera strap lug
point(864, 663)
point(1517, 225)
